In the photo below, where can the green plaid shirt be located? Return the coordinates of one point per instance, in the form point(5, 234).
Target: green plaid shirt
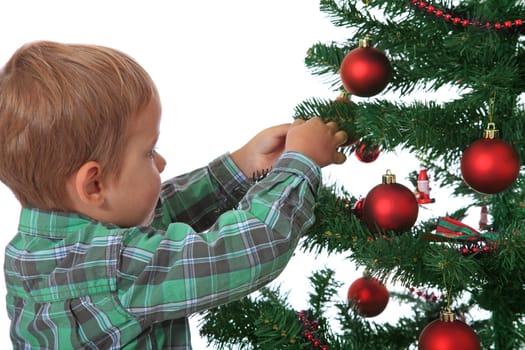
point(75, 283)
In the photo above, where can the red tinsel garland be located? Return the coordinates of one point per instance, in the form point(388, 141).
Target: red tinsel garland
point(447, 16)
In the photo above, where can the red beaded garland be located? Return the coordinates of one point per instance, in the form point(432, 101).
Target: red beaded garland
point(310, 328)
point(431, 9)
point(426, 295)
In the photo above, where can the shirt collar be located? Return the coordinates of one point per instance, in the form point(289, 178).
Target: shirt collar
point(53, 224)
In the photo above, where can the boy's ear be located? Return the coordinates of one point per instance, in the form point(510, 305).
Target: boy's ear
point(88, 185)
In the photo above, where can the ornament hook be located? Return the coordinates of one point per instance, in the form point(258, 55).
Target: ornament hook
point(389, 178)
point(491, 131)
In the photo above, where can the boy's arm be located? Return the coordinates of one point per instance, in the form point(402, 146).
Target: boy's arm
point(181, 272)
point(199, 197)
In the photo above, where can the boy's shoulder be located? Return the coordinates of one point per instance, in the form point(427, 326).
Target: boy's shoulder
point(55, 256)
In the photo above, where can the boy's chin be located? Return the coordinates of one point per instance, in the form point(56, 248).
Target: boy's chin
point(149, 219)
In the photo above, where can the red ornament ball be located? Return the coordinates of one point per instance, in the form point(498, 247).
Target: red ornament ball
point(358, 208)
point(365, 71)
point(390, 206)
point(448, 334)
point(490, 165)
point(367, 153)
point(367, 296)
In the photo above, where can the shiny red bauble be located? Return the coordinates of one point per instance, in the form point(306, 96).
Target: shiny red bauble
point(490, 165)
point(390, 206)
point(448, 334)
point(367, 153)
point(358, 208)
point(367, 296)
point(365, 71)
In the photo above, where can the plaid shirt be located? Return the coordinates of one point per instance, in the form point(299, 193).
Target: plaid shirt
point(75, 283)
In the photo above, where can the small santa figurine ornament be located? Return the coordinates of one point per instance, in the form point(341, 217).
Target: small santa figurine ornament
point(483, 219)
point(423, 187)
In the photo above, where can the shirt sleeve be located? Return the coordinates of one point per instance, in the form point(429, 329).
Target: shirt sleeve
point(177, 272)
point(199, 197)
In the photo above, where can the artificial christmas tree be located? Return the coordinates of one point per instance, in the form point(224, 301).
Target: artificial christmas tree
point(471, 55)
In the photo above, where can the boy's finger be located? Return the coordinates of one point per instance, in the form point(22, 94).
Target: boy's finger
point(332, 125)
point(280, 129)
point(297, 122)
point(341, 137)
point(339, 158)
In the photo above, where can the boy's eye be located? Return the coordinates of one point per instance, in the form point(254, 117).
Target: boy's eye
point(152, 153)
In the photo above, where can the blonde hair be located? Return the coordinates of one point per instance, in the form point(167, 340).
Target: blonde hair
point(62, 105)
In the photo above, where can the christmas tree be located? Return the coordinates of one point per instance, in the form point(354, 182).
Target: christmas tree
point(397, 53)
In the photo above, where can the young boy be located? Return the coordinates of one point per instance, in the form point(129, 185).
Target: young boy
point(107, 257)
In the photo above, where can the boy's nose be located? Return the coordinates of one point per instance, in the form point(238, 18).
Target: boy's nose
point(160, 162)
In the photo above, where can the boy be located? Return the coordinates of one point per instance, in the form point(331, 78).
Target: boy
point(107, 257)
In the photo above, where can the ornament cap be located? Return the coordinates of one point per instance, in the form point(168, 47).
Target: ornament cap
point(447, 316)
point(389, 178)
point(491, 132)
point(365, 42)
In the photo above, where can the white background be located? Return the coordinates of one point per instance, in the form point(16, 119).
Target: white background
point(225, 70)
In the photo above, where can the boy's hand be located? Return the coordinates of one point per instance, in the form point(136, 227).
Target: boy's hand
point(262, 151)
point(316, 140)
point(313, 138)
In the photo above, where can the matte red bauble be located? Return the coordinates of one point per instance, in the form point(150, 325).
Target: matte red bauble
point(365, 71)
point(490, 165)
point(367, 296)
point(390, 206)
point(447, 333)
